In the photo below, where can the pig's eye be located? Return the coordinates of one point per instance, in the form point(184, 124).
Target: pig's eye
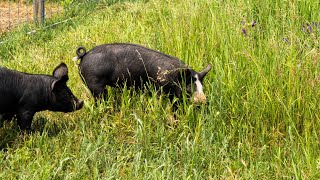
point(189, 88)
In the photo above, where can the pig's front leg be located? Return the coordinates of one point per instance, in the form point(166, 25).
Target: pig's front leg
point(6, 116)
point(25, 119)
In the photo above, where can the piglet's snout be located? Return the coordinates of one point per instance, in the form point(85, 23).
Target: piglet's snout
point(199, 98)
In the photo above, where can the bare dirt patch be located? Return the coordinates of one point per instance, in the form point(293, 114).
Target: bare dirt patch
point(18, 12)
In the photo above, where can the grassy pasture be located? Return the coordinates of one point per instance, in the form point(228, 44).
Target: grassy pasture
point(261, 120)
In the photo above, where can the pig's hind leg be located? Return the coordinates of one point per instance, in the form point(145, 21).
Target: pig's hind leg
point(98, 90)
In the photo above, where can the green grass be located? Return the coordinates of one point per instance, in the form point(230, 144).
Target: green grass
point(262, 117)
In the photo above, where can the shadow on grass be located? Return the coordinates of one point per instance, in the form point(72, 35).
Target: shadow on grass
point(10, 134)
point(39, 125)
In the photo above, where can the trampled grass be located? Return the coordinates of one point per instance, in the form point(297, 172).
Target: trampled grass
point(261, 120)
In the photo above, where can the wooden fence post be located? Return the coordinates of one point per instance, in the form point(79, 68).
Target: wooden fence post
point(35, 10)
point(42, 12)
point(9, 24)
point(38, 11)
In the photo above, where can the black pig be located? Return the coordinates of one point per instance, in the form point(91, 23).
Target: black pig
point(133, 65)
point(22, 94)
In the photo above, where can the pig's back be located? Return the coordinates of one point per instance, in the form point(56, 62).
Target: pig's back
point(122, 62)
point(132, 57)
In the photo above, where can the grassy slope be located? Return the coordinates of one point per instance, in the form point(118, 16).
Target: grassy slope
point(261, 120)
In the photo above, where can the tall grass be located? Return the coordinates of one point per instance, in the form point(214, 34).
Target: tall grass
point(261, 120)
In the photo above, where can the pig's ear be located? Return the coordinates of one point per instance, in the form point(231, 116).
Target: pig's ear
point(185, 74)
point(60, 71)
point(204, 72)
point(59, 82)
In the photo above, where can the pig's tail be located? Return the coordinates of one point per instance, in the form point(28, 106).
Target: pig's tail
point(81, 51)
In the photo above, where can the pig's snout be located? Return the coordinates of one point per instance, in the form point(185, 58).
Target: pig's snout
point(199, 98)
point(79, 104)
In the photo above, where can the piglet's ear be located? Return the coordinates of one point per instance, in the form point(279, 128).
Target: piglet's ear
point(185, 73)
point(59, 82)
point(60, 71)
point(204, 72)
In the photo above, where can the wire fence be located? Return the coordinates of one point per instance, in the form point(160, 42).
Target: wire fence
point(31, 13)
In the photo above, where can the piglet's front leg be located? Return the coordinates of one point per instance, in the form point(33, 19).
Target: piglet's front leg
point(24, 119)
point(6, 116)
